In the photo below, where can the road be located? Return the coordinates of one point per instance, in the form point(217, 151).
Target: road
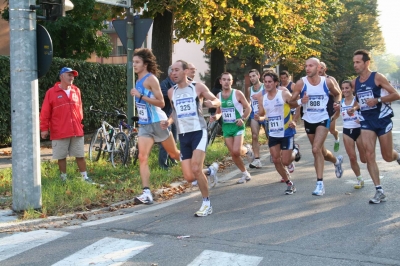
point(252, 224)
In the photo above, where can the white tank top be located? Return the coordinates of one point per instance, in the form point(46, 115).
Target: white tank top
point(188, 111)
point(254, 103)
point(349, 121)
point(315, 110)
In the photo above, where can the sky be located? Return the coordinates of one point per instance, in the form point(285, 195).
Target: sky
point(389, 22)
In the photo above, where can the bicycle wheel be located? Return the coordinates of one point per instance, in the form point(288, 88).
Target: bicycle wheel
point(96, 145)
point(133, 147)
point(215, 128)
point(120, 150)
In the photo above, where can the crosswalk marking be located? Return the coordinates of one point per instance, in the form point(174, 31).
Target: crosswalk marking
point(21, 242)
point(209, 257)
point(107, 251)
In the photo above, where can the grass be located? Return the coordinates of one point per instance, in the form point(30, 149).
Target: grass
point(117, 184)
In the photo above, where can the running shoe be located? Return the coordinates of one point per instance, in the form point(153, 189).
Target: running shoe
point(256, 164)
point(336, 146)
point(291, 167)
point(245, 178)
point(89, 181)
point(205, 209)
point(298, 155)
point(145, 198)
point(360, 183)
point(249, 154)
point(213, 178)
point(319, 189)
point(63, 177)
point(194, 183)
point(290, 189)
point(338, 167)
point(379, 197)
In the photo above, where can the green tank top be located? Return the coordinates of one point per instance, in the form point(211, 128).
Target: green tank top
point(231, 108)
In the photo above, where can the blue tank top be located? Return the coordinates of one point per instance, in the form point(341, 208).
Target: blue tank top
point(147, 113)
point(368, 90)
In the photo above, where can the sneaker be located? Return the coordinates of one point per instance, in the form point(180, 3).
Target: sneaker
point(336, 146)
point(291, 167)
point(245, 178)
point(194, 183)
point(213, 178)
point(256, 164)
point(298, 155)
point(89, 180)
point(338, 167)
point(145, 198)
point(205, 209)
point(360, 183)
point(379, 197)
point(249, 154)
point(319, 190)
point(290, 189)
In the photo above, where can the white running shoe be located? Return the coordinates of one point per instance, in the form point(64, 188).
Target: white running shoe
point(256, 164)
point(213, 178)
point(194, 183)
point(145, 198)
point(338, 167)
point(245, 178)
point(249, 154)
point(319, 189)
point(291, 167)
point(205, 209)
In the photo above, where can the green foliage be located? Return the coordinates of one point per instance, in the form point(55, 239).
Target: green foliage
point(102, 86)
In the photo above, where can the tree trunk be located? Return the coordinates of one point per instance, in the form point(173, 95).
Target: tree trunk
point(218, 64)
point(162, 41)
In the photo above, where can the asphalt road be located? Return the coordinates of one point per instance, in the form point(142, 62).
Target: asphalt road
point(252, 224)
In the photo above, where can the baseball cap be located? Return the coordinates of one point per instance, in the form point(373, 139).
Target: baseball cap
point(68, 70)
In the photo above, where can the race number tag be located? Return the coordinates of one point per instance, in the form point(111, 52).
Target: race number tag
point(142, 112)
point(346, 116)
point(363, 97)
point(254, 104)
point(186, 107)
point(228, 114)
point(314, 104)
point(275, 124)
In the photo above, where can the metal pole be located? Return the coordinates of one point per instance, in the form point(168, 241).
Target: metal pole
point(129, 62)
point(26, 181)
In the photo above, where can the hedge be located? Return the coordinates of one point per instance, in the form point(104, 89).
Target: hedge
point(101, 85)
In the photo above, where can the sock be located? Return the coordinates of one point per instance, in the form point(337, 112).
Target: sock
point(337, 140)
point(296, 151)
point(289, 183)
point(84, 174)
point(146, 189)
point(379, 187)
point(246, 173)
point(320, 180)
point(256, 157)
point(337, 161)
point(359, 178)
point(209, 171)
point(206, 199)
point(63, 175)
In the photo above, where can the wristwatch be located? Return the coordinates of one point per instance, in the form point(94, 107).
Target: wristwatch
point(379, 100)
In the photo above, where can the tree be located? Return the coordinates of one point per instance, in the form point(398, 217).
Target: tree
point(76, 36)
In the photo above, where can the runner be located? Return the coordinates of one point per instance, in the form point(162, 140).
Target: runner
point(187, 99)
point(233, 123)
point(314, 92)
point(149, 101)
point(281, 127)
point(374, 95)
point(351, 131)
point(255, 125)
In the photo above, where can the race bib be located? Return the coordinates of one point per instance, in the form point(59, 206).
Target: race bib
point(255, 106)
point(346, 116)
point(275, 124)
point(186, 107)
point(315, 104)
point(142, 112)
point(228, 114)
point(363, 97)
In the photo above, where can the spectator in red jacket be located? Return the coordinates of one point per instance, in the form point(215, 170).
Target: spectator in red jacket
point(62, 115)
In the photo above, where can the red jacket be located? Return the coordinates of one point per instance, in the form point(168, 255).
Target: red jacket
point(62, 115)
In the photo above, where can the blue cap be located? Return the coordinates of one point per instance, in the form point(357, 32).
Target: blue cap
point(68, 70)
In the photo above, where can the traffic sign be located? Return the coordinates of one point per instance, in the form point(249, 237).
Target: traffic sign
point(141, 27)
point(121, 3)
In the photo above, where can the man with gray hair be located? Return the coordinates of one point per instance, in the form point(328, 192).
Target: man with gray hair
point(163, 156)
point(192, 71)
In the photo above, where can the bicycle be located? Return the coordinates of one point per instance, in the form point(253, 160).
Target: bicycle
point(132, 133)
point(213, 129)
point(107, 140)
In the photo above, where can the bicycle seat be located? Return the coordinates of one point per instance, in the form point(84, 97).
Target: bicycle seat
point(121, 116)
point(135, 118)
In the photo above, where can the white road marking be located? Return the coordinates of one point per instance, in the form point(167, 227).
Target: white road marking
point(21, 242)
point(209, 257)
point(107, 251)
